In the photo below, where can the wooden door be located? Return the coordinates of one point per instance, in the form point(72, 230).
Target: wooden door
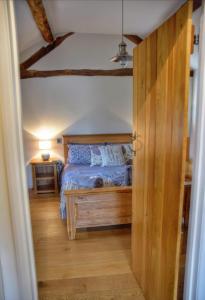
point(161, 84)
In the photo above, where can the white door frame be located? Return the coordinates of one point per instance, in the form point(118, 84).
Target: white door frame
point(17, 265)
point(195, 265)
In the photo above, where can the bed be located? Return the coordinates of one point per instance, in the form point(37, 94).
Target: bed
point(85, 201)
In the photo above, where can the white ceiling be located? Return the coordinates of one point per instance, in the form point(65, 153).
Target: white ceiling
point(94, 16)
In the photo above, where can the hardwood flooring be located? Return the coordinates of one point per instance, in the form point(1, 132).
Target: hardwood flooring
point(96, 266)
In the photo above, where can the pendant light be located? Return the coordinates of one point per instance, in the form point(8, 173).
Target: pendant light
point(122, 57)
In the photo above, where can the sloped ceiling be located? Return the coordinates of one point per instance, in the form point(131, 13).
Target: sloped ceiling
point(93, 16)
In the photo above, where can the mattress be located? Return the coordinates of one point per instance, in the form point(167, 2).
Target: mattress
point(76, 177)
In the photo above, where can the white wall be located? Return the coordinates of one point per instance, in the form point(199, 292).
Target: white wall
point(75, 105)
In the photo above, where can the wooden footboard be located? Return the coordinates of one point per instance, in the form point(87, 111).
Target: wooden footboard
point(97, 207)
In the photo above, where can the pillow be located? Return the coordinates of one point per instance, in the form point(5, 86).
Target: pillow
point(127, 151)
point(79, 154)
point(96, 158)
point(112, 155)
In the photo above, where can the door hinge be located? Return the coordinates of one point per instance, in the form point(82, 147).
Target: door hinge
point(183, 225)
point(134, 152)
point(196, 39)
point(134, 136)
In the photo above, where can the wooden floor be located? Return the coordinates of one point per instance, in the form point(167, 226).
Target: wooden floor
point(96, 266)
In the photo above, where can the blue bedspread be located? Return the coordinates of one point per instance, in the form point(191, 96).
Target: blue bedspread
point(85, 177)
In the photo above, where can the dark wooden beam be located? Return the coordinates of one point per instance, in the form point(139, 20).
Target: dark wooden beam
point(133, 38)
point(39, 15)
point(196, 4)
point(44, 51)
point(79, 72)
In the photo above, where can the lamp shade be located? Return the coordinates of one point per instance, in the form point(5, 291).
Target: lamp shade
point(122, 57)
point(44, 145)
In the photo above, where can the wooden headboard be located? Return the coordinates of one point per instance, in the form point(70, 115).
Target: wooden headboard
point(114, 138)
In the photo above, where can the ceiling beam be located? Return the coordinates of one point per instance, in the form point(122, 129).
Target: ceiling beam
point(78, 72)
point(44, 51)
point(133, 38)
point(196, 4)
point(39, 15)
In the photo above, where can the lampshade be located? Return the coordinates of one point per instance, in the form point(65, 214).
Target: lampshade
point(122, 57)
point(44, 145)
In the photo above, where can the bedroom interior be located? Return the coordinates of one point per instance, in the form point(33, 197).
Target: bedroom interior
point(98, 155)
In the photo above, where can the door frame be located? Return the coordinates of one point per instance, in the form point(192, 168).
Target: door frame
point(18, 223)
point(17, 265)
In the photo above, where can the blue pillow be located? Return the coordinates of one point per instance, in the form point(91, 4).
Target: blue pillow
point(79, 154)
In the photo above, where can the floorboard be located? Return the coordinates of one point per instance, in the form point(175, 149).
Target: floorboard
point(96, 266)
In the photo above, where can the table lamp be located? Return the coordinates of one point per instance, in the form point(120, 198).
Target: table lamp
point(45, 145)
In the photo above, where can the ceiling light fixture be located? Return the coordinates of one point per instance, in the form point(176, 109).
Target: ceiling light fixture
point(122, 57)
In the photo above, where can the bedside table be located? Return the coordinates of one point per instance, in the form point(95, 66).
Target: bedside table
point(44, 176)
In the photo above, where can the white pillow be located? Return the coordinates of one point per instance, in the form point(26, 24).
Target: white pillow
point(112, 155)
point(96, 158)
point(127, 151)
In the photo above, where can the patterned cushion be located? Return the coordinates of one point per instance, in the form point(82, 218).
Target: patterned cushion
point(127, 151)
point(96, 158)
point(79, 154)
point(112, 155)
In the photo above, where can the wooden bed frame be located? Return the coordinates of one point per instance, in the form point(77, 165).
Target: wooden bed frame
point(98, 206)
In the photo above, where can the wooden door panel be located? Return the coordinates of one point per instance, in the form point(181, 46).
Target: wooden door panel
point(161, 81)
